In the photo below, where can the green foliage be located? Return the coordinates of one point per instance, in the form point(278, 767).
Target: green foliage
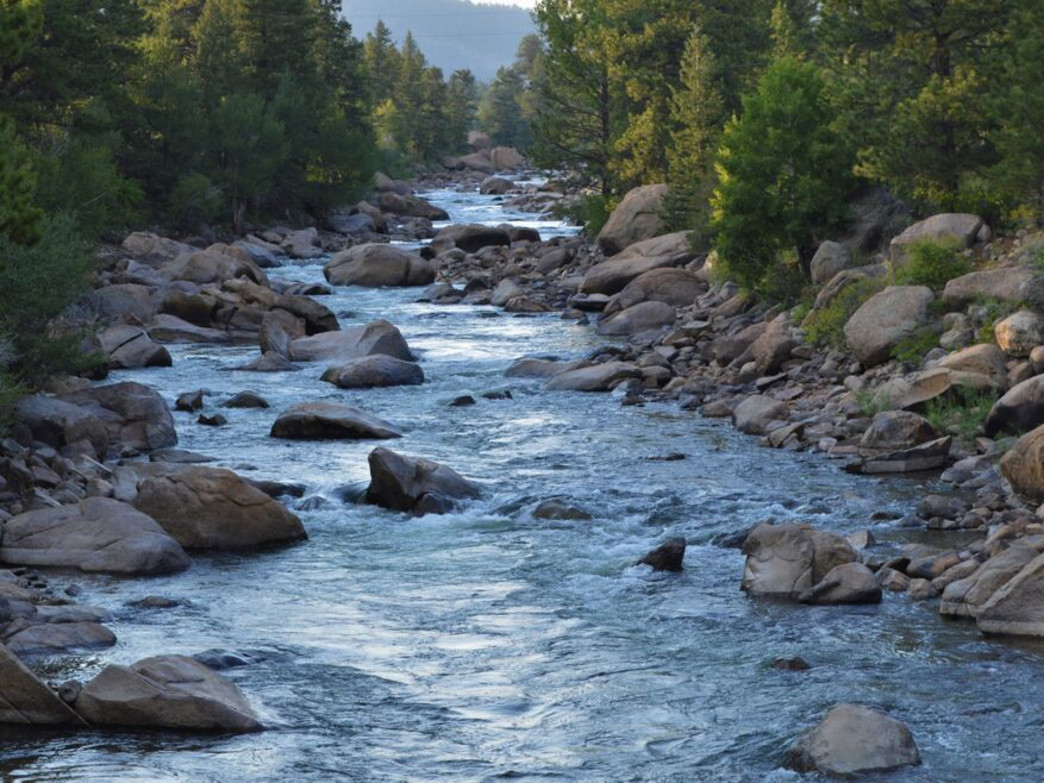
point(20, 218)
point(870, 403)
point(783, 176)
point(961, 415)
point(194, 200)
point(591, 211)
point(825, 326)
point(986, 313)
point(911, 349)
point(932, 263)
point(39, 282)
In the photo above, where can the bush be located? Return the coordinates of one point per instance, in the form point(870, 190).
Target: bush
point(591, 211)
point(39, 283)
point(932, 264)
point(826, 326)
point(911, 350)
point(961, 415)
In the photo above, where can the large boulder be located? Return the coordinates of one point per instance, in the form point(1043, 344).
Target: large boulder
point(471, 238)
point(1016, 608)
point(506, 159)
point(96, 534)
point(754, 415)
point(135, 415)
point(125, 301)
point(58, 638)
point(885, 320)
point(317, 317)
point(849, 583)
point(613, 275)
point(166, 692)
point(154, 250)
point(330, 421)
point(1002, 284)
point(891, 431)
point(676, 287)
point(786, 560)
point(208, 266)
point(965, 597)
point(1023, 465)
point(596, 378)
point(209, 508)
point(479, 161)
point(960, 228)
point(411, 206)
point(1019, 333)
point(846, 278)
point(1018, 411)
point(404, 483)
point(60, 424)
point(373, 371)
point(984, 359)
point(376, 266)
point(642, 317)
point(376, 338)
point(639, 216)
point(830, 258)
point(24, 700)
point(851, 740)
point(130, 347)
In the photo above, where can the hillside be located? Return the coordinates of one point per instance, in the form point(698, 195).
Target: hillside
point(452, 33)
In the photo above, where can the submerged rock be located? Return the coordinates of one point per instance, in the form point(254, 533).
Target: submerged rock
point(667, 556)
point(786, 560)
point(849, 583)
point(378, 265)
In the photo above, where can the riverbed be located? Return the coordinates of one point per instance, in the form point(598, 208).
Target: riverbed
point(487, 645)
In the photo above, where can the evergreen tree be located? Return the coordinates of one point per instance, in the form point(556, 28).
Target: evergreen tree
point(1020, 107)
point(911, 85)
point(382, 63)
point(461, 109)
point(784, 176)
point(697, 114)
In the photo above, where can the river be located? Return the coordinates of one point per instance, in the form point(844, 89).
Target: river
point(487, 645)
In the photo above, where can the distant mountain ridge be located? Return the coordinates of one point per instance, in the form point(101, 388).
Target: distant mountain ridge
point(452, 34)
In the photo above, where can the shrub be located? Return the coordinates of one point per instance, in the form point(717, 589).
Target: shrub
point(911, 349)
point(826, 326)
point(39, 283)
point(932, 264)
point(961, 415)
point(591, 211)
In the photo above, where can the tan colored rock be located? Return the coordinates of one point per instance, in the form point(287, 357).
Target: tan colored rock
point(985, 359)
point(1002, 284)
point(1019, 333)
point(638, 217)
point(964, 597)
point(642, 317)
point(885, 320)
point(960, 228)
point(378, 337)
point(756, 413)
point(374, 371)
point(204, 266)
point(211, 508)
point(1023, 465)
point(1018, 411)
point(405, 483)
point(676, 287)
point(96, 534)
point(851, 740)
point(168, 692)
point(614, 274)
point(130, 347)
point(596, 378)
point(786, 560)
point(330, 421)
point(848, 583)
point(377, 266)
point(1016, 609)
point(24, 700)
point(506, 159)
point(830, 258)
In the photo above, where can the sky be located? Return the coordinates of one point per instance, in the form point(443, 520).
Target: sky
point(520, 3)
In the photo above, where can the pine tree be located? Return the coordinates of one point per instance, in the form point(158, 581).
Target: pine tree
point(383, 62)
point(698, 115)
point(20, 218)
point(1020, 106)
point(461, 108)
point(784, 176)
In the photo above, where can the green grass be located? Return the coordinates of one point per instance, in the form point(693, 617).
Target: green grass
point(871, 403)
point(911, 350)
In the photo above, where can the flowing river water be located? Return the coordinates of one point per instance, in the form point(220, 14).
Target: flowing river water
point(486, 645)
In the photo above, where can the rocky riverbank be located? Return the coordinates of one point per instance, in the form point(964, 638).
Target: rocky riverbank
point(77, 493)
